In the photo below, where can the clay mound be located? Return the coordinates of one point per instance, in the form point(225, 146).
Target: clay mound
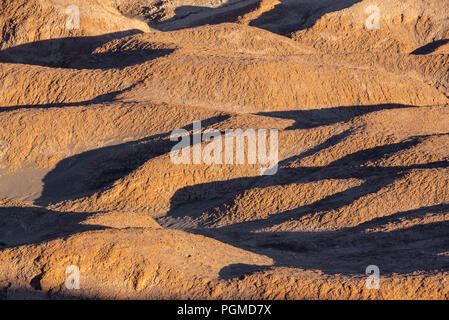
point(168, 264)
point(91, 128)
point(43, 39)
point(48, 21)
point(403, 27)
point(26, 224)
point(158, 11)
point(175, 15)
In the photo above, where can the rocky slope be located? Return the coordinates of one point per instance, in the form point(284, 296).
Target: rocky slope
point(87, 180)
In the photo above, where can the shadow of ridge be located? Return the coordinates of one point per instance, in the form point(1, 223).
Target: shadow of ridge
point(203, 16)
point(307, 119)
point(35, 225)
point(94, 170)
point(286, 17)
point(243, 234)
point(77, 53)
point(222, 190)
point(430, 47)
point(345, 168)
point(10, 291)
point(414, 213)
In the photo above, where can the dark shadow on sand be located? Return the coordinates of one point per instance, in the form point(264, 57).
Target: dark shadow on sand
point(35, 225)
point(430, 47)
point(307, 119)
point(77, 53)
point(346, 251)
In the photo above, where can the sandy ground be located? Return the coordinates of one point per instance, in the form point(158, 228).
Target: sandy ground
point(86, 177)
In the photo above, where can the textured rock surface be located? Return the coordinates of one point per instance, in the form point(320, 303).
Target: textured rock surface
point(87, 180)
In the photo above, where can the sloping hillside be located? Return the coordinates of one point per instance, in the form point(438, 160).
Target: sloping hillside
point(86, 171)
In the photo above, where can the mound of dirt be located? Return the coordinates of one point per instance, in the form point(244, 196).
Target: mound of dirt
point(390, 27)
point(88, 183)
point(25, 21)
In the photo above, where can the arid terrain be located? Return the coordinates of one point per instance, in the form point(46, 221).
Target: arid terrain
point(91, 91)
